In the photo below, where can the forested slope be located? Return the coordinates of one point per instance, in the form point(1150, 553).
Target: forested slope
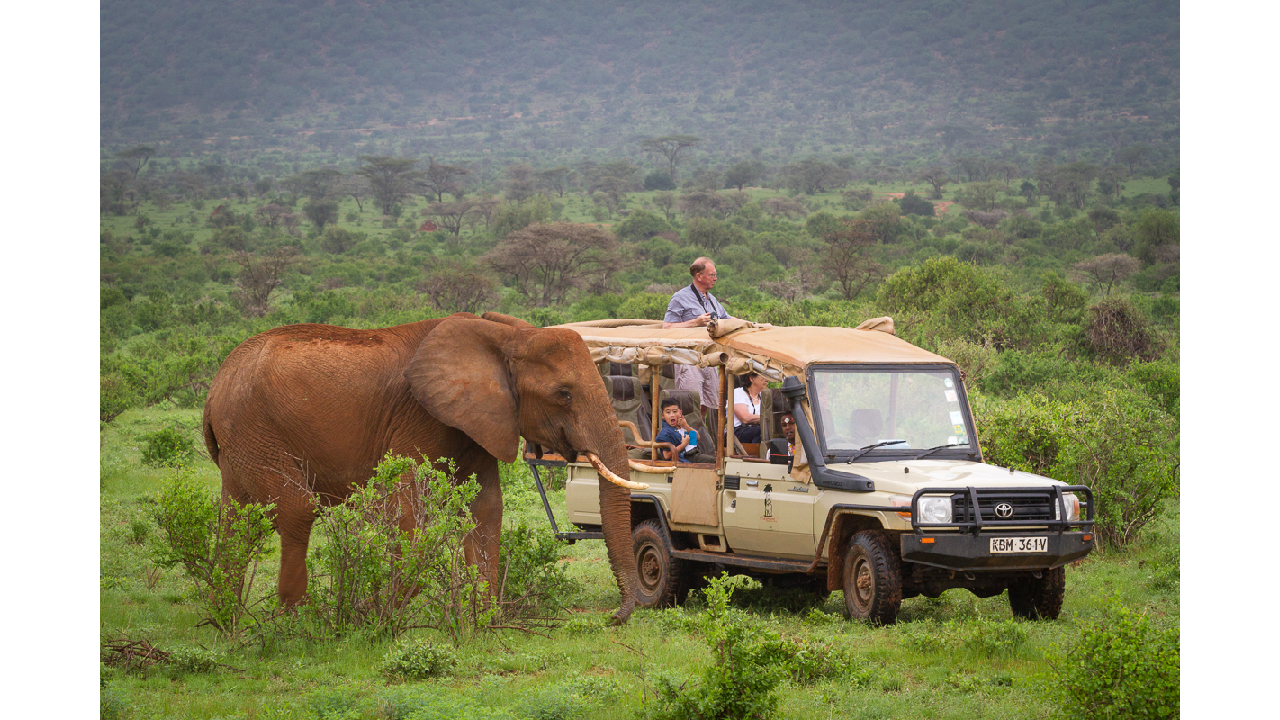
point(918, 77)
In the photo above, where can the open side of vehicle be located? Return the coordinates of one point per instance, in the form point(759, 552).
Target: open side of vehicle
point(885, 498)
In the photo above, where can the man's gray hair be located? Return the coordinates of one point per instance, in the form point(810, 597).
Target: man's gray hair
point(700, 264)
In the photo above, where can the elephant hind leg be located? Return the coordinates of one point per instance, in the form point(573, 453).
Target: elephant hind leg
point(295, 536)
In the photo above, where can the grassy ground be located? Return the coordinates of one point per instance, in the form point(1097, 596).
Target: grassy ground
point(937, 662)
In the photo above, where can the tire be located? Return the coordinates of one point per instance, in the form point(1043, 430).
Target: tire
point(1039, 598)
point(872, 579)
point(663, 581)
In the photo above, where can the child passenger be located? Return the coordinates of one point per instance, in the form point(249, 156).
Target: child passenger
point(676, 430)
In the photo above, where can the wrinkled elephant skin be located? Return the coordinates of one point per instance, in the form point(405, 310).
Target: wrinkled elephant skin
point(317, 406)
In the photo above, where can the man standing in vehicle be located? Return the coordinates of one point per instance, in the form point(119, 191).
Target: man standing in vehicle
point(694, 306)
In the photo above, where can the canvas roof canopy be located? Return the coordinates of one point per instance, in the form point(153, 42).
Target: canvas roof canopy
point(743, 346)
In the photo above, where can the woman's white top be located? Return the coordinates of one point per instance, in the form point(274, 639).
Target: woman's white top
point(741, 397)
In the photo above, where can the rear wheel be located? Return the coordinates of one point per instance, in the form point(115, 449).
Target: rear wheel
point(872, 580)
point(1039, 598)
point(664, 580)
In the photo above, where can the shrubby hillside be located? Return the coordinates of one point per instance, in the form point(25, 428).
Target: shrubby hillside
point(580, 78)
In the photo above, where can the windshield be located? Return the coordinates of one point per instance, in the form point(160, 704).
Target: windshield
point(856, 407)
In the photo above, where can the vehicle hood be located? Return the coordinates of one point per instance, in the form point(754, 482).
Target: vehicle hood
point(907, 476)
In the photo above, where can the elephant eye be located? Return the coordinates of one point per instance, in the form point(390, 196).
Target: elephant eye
point(566, 396)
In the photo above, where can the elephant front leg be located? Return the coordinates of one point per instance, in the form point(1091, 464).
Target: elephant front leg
point(482, 544)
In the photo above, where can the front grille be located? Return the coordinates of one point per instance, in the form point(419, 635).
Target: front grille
point(1027, 506)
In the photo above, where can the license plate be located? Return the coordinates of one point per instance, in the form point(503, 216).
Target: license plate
point(1020, 545)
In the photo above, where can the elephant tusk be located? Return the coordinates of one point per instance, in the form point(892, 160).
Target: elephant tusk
point(641, 467)
point(610, 476)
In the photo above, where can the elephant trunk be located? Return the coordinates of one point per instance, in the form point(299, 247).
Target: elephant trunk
point(615, 515)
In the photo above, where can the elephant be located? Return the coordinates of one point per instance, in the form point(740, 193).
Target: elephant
point(319, 406)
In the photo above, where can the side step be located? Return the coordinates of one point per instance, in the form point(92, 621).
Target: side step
point(573, 537)
point(786, 566)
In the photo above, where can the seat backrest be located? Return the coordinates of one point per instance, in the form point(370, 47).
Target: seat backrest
point(865, 424)
point(691, 405)
point(773, 405)
point(667, 377)
point(616, 369)
point(629, 401)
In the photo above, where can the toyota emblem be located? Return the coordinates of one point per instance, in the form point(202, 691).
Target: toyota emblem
point(1004, 510)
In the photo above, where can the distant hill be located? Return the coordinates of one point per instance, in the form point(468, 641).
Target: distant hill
point(565, 77)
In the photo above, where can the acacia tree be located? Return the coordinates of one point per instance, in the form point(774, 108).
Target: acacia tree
point(1073, 183)
point(137, 157)
point(615, 179)
point(980, 195)
point(670, 147)
point(787, 207)
point(258, 276)
point(556, 179)
point(521, 183)
point(666, 201)
point(1109, 181)
point(811, 176)
point(390, 178)
point(1132, 155)
point(450, 216)
point(740, 175)
point(937, 178)
point(458, 287)
point(440, 179)
point(845, 261)
point(317, 183)
point(1107, 269)
point(546, 261)
point(357, 186)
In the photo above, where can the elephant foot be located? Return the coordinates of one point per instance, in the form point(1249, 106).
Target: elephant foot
point(624, 613)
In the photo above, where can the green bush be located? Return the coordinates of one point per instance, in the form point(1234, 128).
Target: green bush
point(1121, 667)
point(945, 299)
point(993, 639)
point(553, 704)
point(646, 305)
point(1160, 380)
point(167, 447)
point(1118, 442)
point(748, 665)
point(1117, 332)
point(807, 663)
point(111, 706)
point(533, 583)
point(373, 577)
point(418, 660)
point(429, 703)
point(192, 660)
point(334, 704)
point(215, 544)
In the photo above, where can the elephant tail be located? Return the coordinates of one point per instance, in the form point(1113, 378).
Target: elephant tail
point(210, 441)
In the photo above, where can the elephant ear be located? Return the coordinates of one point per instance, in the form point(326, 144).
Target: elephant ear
point(461, 375)
point(514, 322)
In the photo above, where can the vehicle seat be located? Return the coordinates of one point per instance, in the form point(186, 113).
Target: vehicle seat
point(773, 405)
point(630, 403)
point(616, 369)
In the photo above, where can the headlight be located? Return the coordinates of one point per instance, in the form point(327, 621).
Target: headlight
point(1073, 507)
point(935, 509)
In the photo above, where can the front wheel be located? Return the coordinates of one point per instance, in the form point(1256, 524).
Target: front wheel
point(663, 579)
point(872, 580)
point(1039, 598)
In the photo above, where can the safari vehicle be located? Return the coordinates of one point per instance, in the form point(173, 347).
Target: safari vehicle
point(886, 495)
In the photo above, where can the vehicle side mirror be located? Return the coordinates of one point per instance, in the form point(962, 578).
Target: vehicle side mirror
point(779, 453)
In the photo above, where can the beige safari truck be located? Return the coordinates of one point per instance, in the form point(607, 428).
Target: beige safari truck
point(885, 495)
